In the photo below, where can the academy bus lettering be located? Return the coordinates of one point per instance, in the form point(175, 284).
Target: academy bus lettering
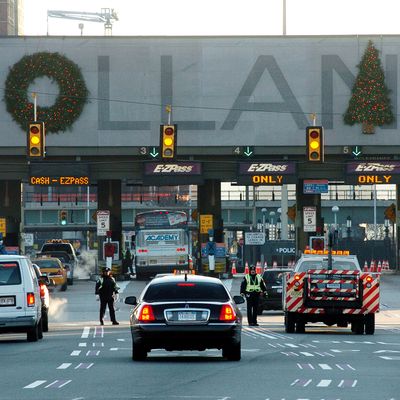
point(164, 238)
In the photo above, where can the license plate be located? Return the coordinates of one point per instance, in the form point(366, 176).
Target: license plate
point(186, 316)
point(333, 285)
point(7, 301)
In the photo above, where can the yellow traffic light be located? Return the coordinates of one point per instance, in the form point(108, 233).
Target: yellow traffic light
point(63, 216)
point(36, 140)
point(168, 140)
point(315, 143)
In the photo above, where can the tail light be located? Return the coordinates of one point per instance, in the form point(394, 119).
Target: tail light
point(42, 290)
point(227, 313)
point(30, 299)
point(146, 313)
point(297, 278)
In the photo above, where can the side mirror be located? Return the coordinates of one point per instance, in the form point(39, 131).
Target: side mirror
point(131, 300)
point(238, 299)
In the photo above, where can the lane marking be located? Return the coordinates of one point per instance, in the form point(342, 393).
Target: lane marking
point(92, 353)
point(64, 366)
point(324, 383)
point(86, 331)
point(325, 366)
point(84, 365)
point(75, 353)
point(82, 344)
point(305, 353)
point(34, 384)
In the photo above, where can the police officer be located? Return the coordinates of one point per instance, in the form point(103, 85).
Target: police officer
point(106, 287)
point(252, 286)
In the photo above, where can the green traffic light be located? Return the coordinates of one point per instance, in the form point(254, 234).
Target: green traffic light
point(63, 222)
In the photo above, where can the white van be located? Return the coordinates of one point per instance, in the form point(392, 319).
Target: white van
point(20, 303)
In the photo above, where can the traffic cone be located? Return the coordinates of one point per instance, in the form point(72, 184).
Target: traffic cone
point(372, 266)
point(233, 271)
point(274, 264)
point(265, 266)
point(190, 263)
point(246, 268)
point(379, 270)
point(365, 266)
point(258, 268)
point(385, 266)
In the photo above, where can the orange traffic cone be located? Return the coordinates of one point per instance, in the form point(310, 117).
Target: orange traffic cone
point(379, 270)
point(246, 268)
point(365, 266)
point(372, 266)
point(274, 264)
point(258, 267)
point(265, 266)
point(233, 271)
point(387, 268)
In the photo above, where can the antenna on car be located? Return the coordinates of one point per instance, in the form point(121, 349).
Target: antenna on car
point(185, 276)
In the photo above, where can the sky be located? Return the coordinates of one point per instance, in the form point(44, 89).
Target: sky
point(219, 17)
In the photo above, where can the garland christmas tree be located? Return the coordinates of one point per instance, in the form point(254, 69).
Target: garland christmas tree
point(370, 103)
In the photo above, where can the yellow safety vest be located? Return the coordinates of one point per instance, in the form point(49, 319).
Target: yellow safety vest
point(253, 287)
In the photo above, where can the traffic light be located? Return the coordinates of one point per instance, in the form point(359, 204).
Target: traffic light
point(168, 140)
point(315, 143)
point(36, 140)
point(317, 243)
point(291, 212)
point(63, 217)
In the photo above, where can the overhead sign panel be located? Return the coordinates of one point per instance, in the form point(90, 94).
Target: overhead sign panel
point(59, 174)
point(173, 173)
point(267, 173)
point(254, 238)
point(373, 172)
point(315, 186)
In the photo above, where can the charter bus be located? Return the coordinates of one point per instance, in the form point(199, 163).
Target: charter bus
point(162, 242)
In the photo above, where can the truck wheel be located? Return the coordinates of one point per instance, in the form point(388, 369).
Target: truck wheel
point(369, 322)
point(358, 327)
point(289, 322)
point(32, 335)
point(300, 327)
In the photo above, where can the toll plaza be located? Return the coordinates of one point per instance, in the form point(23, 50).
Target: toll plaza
point(260, 126)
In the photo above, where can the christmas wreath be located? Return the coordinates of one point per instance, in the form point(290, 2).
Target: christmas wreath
point(69, 102)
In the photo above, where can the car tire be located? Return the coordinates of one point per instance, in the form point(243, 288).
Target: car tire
point(32, 334)
point(232, 352)
point(290, 322)
point(139, 353)
point(45, 321)
point(40, 329)
point(369, 323)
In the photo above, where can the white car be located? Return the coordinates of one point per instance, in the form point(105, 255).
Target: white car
point(20, 302)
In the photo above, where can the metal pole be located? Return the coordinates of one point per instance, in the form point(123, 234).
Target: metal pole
point(375, 227)
point(284, 18)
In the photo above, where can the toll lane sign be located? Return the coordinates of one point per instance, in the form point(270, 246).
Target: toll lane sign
point(206, 223)
point(103, 222)
point(309, 219)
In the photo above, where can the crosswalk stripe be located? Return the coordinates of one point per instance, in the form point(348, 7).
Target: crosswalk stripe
point(325, 366)
point(64, 366)
point(324, 383)
point(34, 384)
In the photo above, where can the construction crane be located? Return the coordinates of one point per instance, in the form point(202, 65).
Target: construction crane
point(106, 16)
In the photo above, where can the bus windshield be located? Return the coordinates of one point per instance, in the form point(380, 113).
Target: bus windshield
point(161, 219)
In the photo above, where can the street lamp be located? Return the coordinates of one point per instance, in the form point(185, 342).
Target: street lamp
point(335, 210)
point(279, 227)
point(264, 211)
point(271, 225)
point(348, 224)
point(387, 224)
